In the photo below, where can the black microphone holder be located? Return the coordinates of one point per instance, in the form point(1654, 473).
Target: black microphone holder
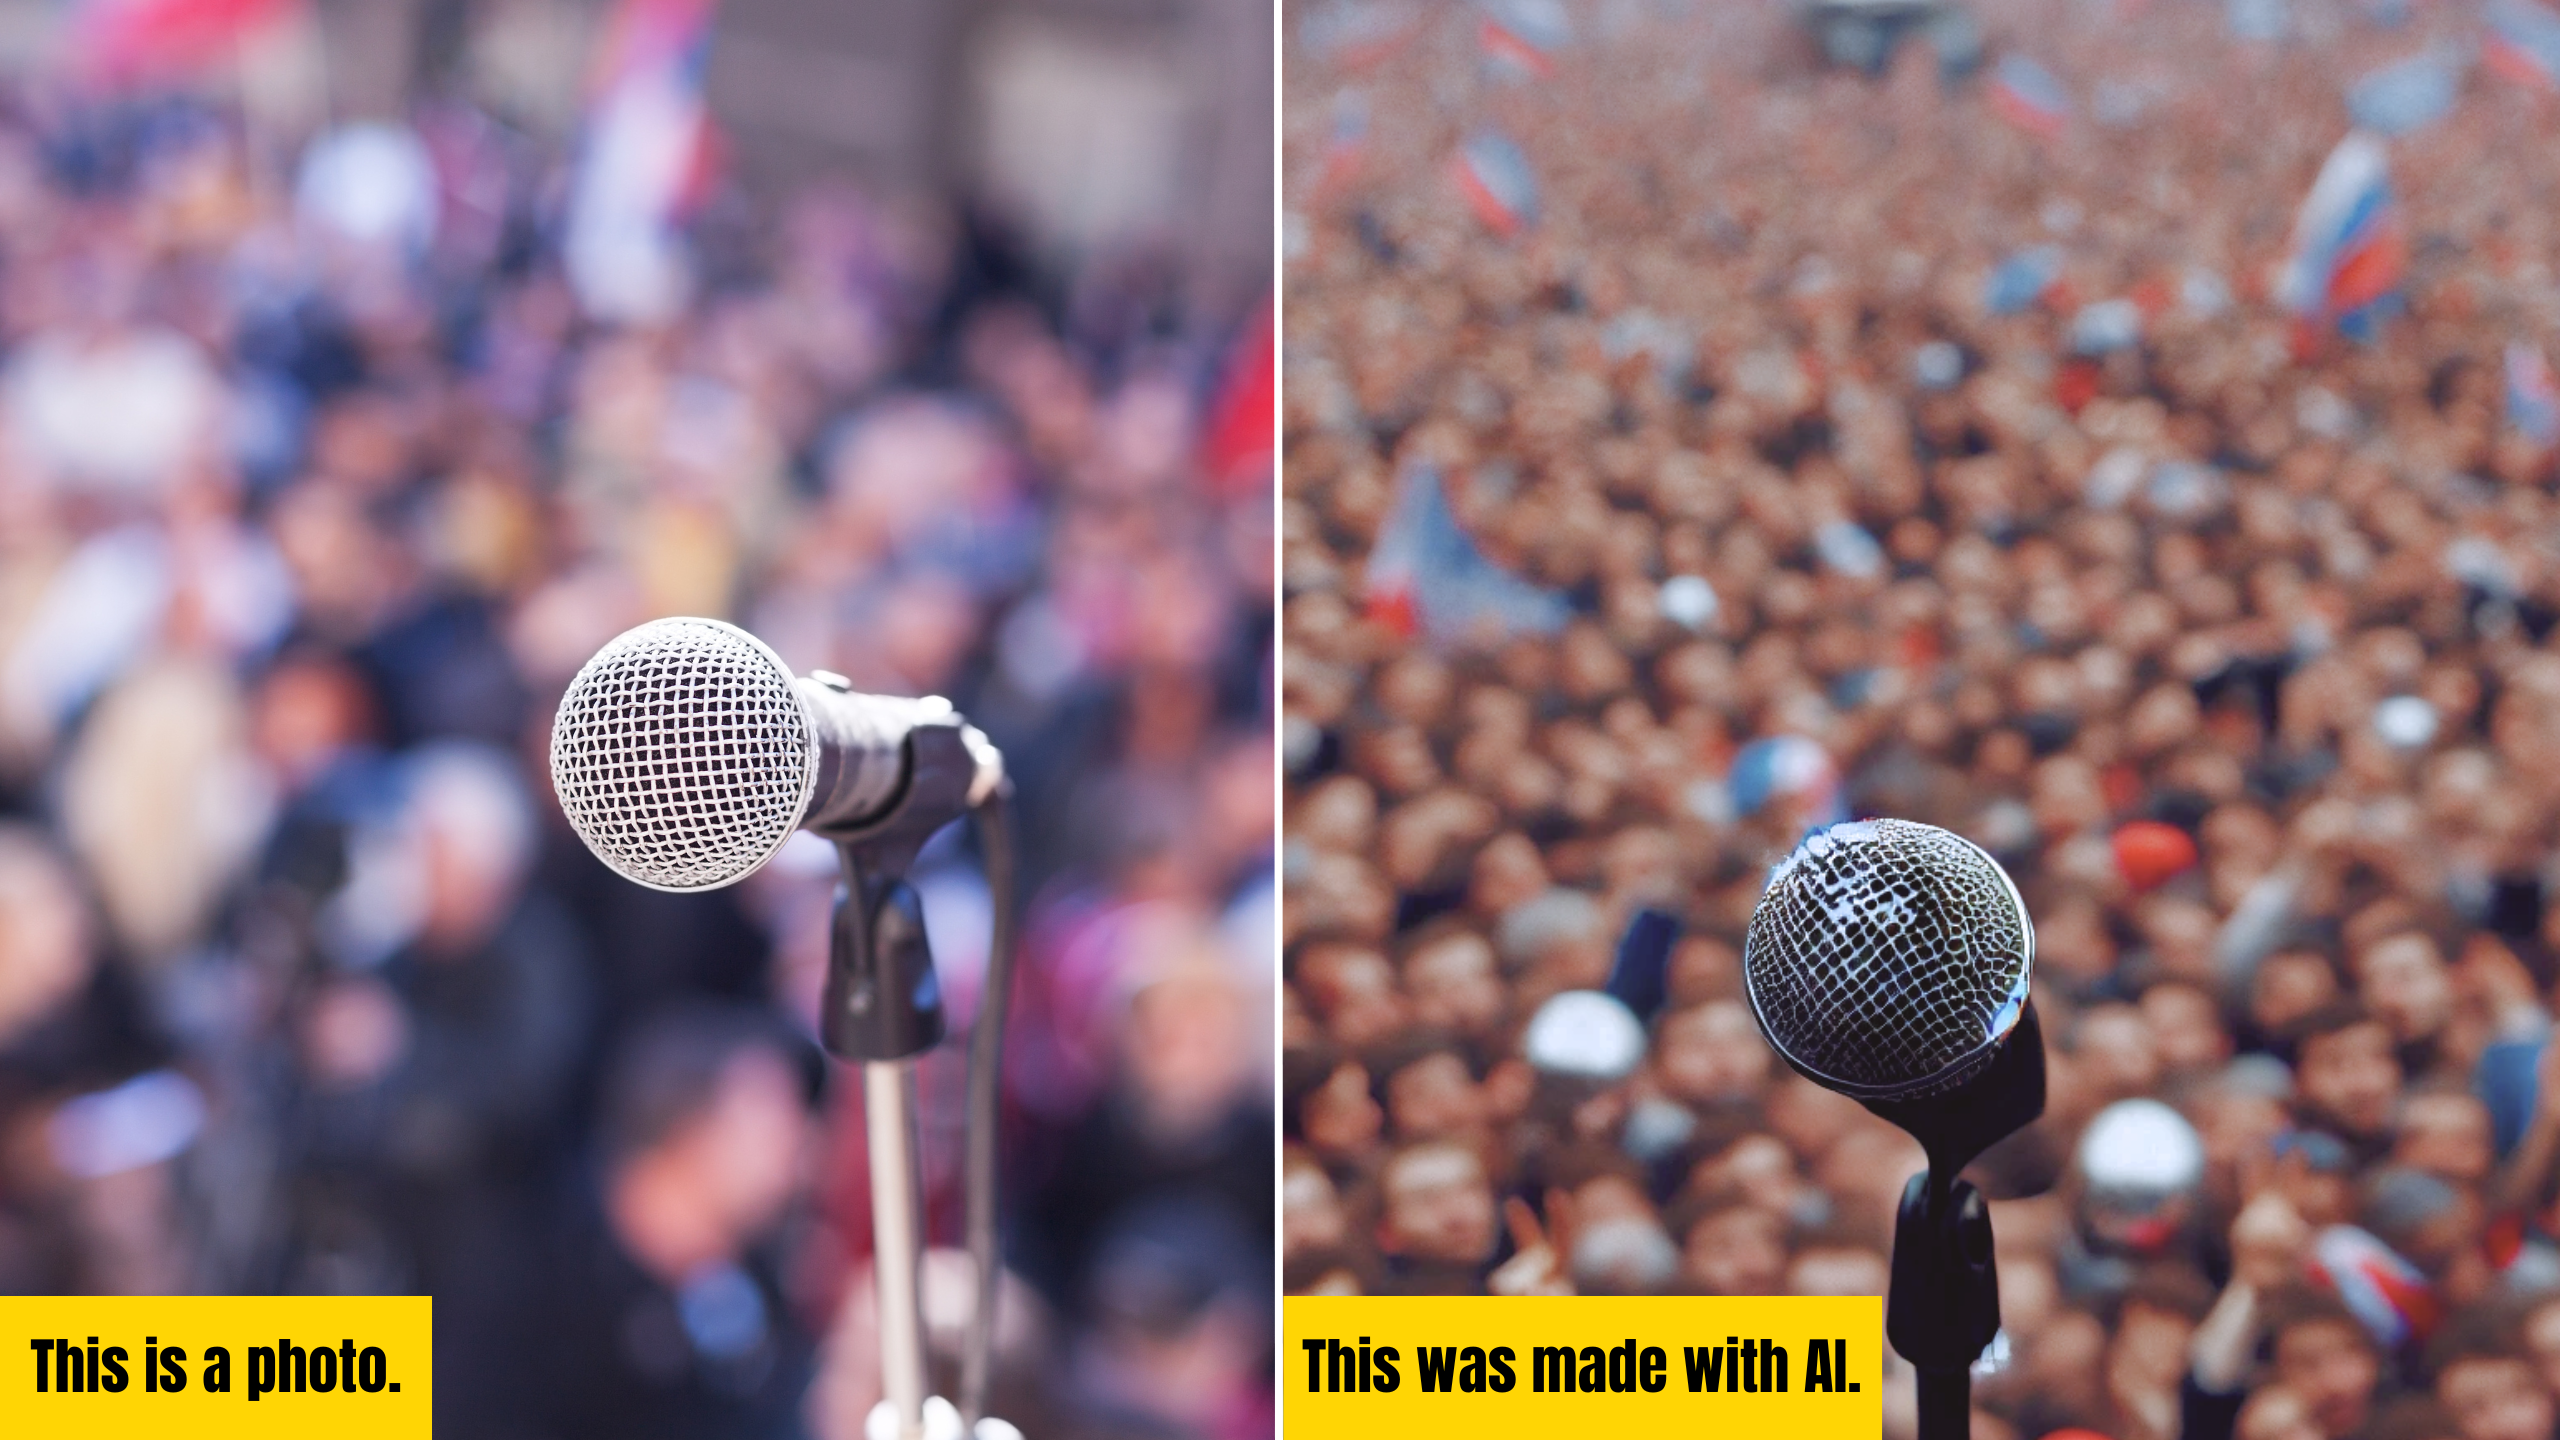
point(1943, 1308)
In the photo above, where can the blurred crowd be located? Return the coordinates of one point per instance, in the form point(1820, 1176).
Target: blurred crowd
point(1728, 489)
point(317, 486)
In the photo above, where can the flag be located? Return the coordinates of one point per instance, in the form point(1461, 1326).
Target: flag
point(2349, 246)
point(2533, 401)
point(1495, 178)
point(2407, 95)
point(1235, 451)
point(1426, 576)
point(644, 161)
point(2386, 1293)
point(2029, 96)
point(1519, 38)
point(2022, 279)
point(128, 40)
point(2523, 44)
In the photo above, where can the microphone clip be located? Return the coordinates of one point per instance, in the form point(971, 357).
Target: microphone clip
point(883, 1000)
point(1943, 1308)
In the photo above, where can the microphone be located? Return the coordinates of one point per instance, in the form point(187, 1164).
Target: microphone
point(685, 753)
point(1889, 961)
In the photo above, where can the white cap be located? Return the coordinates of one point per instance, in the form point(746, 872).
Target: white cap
point(2142, 1150)
point(2405, 722)
point(1585, 1034)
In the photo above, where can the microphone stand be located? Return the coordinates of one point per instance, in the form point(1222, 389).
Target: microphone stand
point(1944, 1305)
point(882, 1009)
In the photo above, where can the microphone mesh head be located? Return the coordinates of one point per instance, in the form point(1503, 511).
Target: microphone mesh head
point(682, 755)
point(1888, 959)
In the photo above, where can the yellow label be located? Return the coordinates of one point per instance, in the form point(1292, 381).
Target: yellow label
point(268, 1367)
point(1803, 1367)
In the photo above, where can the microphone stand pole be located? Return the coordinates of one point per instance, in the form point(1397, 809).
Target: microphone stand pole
point(882, 1010)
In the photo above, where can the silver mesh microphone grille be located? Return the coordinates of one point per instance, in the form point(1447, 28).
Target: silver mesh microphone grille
point(682, 755)
point(1888, 959)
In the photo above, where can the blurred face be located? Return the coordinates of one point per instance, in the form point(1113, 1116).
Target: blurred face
point(2321, 1197)
point(1435, 1098)
point(746, 1146)
point(2446, 1135)
point(44, 932)
point(2403, 981)
point(305, 714)
point(1340, 1118)
point(1186, 1047)
point(1507, 871)
point(2332, 1368)
point(2277, 1413)
point(468, 889)
point(1455, 987)
point(2288, 987)
point(1756, 1168)
point(1712, 1052)
point(2351, 1077)
point(2542, 1342)
point(1399, 759)
point(2116, 1052)
point(1355, 991)
point(2495, 1398)
point(1310, 1210)
point(2185, 1028)
point(2150, 1351)
point(2236, 1130)
point(1865, 1171)
point(1837, 1272)
point(1740, 1250)
point(1439, 1207)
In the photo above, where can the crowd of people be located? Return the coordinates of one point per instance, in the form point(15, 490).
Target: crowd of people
point(317, 485)
point(1675, 464)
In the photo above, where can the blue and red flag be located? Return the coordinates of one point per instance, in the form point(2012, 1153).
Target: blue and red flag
point(1426, 576)
point(2350, 247)
point(2030, 97)
point(646, 162)
point(2533, 400)
point(1520, 38)
point(2388, 1295)
point(1495, 177)
point(2523, 44)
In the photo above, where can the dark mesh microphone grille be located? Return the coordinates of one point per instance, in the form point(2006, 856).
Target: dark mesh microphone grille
point(681, 754)
point(1888, 959)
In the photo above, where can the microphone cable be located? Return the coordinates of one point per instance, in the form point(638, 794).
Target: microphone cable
point(993, 817)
